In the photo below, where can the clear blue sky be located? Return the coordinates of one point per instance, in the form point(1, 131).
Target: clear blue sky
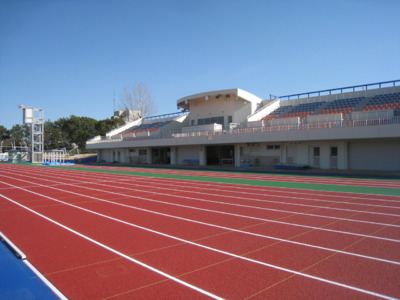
point(70, 56)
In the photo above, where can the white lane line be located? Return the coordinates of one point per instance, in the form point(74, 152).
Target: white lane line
point(45, 280)
point(265, 177)
point(116, 252)
point(285, 203)
point(251, 192)
point(274, 177)
point(278, 193)
point(360, 182)
point(278, 202)
point(198, 245)
point(242, 187)
point(214, 225)
point(216, 202)
point(241, 216)
point(230, 204)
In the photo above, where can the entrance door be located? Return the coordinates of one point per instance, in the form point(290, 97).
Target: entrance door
point(333, 157)
point(220, 155)
point(291, 154)
point(161, 155)
point(314, 156)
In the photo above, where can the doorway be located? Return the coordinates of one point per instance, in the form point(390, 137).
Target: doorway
point(314, 159)
point(161, 156)
point(220, 155)
point(333, 157)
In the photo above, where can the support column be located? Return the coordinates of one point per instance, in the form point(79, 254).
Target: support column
point(173, 153)
point(202, 156)
point(283, 153)
point(149, 159)
point(237, 155)
point(343, 162)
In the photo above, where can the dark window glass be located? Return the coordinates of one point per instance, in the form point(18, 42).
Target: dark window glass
point(316, 151)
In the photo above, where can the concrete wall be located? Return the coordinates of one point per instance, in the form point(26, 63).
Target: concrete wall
point(201, 109)
point(375, 154)
point(187, 152)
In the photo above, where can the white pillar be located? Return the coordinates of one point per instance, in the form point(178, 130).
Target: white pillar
point(283, 153)
point(149, 156)
point(237, 155)
point(343, 160)
point(173, 153)
point(202, 155)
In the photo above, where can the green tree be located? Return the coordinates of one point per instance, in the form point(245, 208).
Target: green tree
point(106, 125)
point(77, 130)
point(53, 137)
point(4, 133)
point(20, 134)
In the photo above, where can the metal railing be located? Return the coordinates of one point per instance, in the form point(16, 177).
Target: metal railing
point(165, 116)
point(271, 128)
point(354, 88)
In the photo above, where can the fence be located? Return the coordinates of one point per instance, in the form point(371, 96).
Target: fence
point(271, 128)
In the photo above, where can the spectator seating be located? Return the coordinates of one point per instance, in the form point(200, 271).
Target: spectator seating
point(290, 111)
point(303, 110)
point(146, 127)
point(386, 101)
point(344, 106)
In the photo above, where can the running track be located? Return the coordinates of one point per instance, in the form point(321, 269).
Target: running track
point(110, 235)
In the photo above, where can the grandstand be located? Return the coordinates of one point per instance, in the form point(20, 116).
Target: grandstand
point(355, 127)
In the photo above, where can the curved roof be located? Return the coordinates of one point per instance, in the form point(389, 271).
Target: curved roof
point(237, 93)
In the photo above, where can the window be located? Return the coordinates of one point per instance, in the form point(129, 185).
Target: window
point(205, 121)
point(334, 151)
point(273, 147)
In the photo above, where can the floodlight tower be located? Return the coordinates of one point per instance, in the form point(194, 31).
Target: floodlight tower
point(34, 117)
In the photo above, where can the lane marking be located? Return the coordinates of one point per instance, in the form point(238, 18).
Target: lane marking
point(262, 177)
point(211, 225)
point(115, 251)
point(278, 190)
point(219, 175)
point(271, 201)
point(194, 244)
point(243, 216)
point(221, 203)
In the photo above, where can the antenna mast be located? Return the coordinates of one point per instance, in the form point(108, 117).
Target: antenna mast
point(114, 102)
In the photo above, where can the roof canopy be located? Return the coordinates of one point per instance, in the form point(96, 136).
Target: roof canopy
point(230, 93)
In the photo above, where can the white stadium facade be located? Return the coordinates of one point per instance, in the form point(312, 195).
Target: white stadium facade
point(349, 128)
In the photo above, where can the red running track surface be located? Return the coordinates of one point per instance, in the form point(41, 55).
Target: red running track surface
point(111, 236)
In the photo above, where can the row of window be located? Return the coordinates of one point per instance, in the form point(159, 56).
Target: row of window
point(212, 120)
point(273, 147)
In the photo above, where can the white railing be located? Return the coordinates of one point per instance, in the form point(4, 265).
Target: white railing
point(272, 128)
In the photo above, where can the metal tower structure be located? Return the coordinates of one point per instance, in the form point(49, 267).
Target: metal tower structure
point(34, 117)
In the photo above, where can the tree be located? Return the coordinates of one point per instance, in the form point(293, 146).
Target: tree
point(53, 137)
point(77, 130)
point(4, 133)
point(20, 133)
point(138, 98)
point(106, 125)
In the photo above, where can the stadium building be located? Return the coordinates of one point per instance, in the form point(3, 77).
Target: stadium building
point(349, 128)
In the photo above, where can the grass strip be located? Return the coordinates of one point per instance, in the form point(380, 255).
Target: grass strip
point(252, 182)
